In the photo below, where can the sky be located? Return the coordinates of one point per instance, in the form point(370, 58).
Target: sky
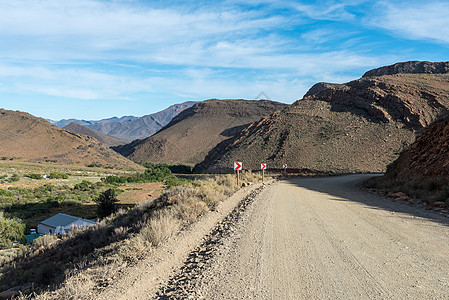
point(94, 59)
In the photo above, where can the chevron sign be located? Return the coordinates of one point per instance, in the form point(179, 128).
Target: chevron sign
point(263, 166)
point(238, 166)
point(284, 166)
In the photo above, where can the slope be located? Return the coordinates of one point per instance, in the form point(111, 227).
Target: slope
point(106, 140)
point(194, 132)
point(427, 156)
point(359, 126)
point(27, 138)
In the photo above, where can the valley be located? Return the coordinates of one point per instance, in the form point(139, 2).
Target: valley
point(361, 211)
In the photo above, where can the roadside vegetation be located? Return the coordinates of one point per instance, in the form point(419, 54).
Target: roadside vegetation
point(72, 265)
point(433, 190)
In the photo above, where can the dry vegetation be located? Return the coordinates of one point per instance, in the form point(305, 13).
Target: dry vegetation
point(85, 261)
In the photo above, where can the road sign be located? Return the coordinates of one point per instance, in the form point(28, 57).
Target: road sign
point(263, 166)
point(284, 166)
point(238, 166)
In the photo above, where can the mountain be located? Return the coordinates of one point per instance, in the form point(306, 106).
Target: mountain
point(359, 126)
point(195, 131)
point(64, 122)
point(106, 140)
point(32, 139)
point(129, 128)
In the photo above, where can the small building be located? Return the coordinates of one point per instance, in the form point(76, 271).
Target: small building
point(62, 223)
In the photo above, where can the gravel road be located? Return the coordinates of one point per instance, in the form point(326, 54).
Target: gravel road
point(323, 238)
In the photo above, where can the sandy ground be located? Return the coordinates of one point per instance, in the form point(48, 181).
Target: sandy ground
point(323, 238)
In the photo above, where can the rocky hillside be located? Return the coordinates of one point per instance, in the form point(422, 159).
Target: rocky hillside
point(27, 138)
point(130, 128)
point(428, 156)
point(106, 140)
point(359, 126)
point(194, 132)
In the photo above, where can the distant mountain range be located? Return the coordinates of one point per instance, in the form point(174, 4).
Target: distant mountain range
point(129, 128)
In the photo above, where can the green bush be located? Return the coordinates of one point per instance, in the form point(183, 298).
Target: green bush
point(82, 186)
point(156, 173)
point(5, 193)
point(175, 181)
point(10, 229)
point(34, 176)
point(107, 202)
point(94, 165)
point(14, 178)
point(55, 175)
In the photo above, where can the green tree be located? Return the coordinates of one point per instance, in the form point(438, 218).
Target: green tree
point(107, 202)
point(10, 229)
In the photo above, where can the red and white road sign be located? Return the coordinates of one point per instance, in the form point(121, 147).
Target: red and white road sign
point(263, 166)
point(284, 166)
point(238, 166)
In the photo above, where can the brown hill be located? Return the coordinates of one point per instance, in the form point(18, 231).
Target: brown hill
point(195, 131)
point(106, 140)
point(427, 156)
point(359, 126)
point(32, 139)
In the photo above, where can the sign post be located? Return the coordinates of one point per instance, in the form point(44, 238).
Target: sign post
point(263, 167)
point(284, 166)
point(237, 167)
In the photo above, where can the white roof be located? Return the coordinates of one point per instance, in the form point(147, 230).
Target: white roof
point(63, 220)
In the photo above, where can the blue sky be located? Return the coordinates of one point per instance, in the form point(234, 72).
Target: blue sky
point(92, 59)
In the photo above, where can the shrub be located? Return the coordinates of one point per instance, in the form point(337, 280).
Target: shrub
point(82, 186)
point(46, 241)
point(10, 229)
point(158, 173)
point(173, 181)
point(5, 193)
point(107, 202)
point(160, 227)
point(34, 176)
point(94, 165)
point(14, 178)
point(55, 175)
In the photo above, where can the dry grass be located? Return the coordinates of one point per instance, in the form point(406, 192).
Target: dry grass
point(87, 258)
point(429, 190)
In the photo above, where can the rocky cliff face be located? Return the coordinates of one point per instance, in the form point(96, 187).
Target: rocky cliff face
point(412, 99)
point(359, 126)
point(411, 67)
point(428, 156)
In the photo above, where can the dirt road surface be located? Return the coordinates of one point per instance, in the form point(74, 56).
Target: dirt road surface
point(323, 238)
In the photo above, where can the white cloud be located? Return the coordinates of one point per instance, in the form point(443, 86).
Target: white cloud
point(85, 29)
point(100, 50)
point(70, 83)
point(416, 20)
